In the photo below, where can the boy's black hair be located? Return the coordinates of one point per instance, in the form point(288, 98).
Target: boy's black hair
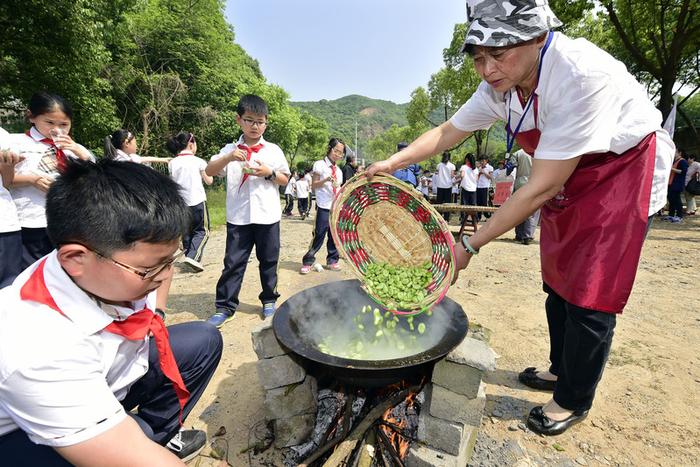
point(109, 205)
point(445, 157)
point(43, 102)
point(253, 104)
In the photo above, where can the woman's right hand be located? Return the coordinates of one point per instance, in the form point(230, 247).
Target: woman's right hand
point(42, 183)
point(382, 166)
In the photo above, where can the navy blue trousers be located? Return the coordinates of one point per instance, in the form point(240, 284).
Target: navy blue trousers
point(321, 229)
point(35, 245)
point(196, 239)
point(197, 348)
point(10, 257)
point(239, 243)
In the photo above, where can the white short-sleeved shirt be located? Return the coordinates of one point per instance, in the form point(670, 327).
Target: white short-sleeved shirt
point(29, 200)
point(469, 176)
point(587, 103)
point(324, 169)
point(443, 175)
point(9, 222)
point(302, 187)
point(124, 157)
point(62, 377)
point(257, 200)
point(289, 189)
point(425, 185)
point(482, 180)
point(186, 169)
point(434, 184)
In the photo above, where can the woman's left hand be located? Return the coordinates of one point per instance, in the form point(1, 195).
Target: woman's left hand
point(462, 259)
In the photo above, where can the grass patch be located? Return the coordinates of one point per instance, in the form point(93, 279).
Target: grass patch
point(216, 202)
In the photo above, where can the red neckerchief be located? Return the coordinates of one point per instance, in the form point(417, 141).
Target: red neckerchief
point(249, 153)
point(185, 154)
point(60, 155)
point(135, 327)
point(673, 174)
point(333, 174)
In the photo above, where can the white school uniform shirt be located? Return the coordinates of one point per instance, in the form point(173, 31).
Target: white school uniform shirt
point(289, 189)
point(324, 195)
point(29, 200)
point(425, 185)
point(124, 157)
point(186, 169)
point(443, 175)
point(469, 176)
point(257, 200)
point(62, 377)
point(302, 187)
point(482, 180)
point(9, 222)
point(433, 183)
point(587, 103)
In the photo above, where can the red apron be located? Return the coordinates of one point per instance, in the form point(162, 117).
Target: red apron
point(592, 232)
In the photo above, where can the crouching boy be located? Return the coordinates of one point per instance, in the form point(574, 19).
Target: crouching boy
point(79, 345)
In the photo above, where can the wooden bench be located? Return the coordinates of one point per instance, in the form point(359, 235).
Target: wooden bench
point(470, 219)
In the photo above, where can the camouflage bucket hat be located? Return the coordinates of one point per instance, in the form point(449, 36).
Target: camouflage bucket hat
point(498, 23)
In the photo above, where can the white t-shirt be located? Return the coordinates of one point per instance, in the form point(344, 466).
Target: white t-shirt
point(124, 157)
point(302, 187)
point(499, 173)
point(62, 377)
point(425, 185)
point(186, 169)
point(255, 201)
point(443, 175)
point(29, 200)
point(482, 180)
point(9, 222)
point(587, 103)
point(434, 183)
point(289, 189)
point(325, 194)
point(468, 175)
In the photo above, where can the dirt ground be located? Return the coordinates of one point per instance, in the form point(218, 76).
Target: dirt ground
point(645, 409)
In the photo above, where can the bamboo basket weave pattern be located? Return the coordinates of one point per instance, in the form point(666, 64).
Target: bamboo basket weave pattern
point(386, 220)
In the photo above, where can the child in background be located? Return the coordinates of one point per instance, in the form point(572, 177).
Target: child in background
point(89, 374)
point(10, 230)
point(327, 179)
point(302, 189)
point(46, 147)
point(312, 192)
point(122, 146)
point(254, 169)
point(188, 171)
point(289, 195)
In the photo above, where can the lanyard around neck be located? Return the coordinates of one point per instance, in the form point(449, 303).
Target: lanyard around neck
point(510, 136)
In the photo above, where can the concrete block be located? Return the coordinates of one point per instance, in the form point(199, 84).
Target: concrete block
point(279, 371)
point(462, 379)
point(293, 431)
point(265, 343)
point(440, 434)
point(420, 455)
point(288, 401)
point(454, 407)
point(475, 353)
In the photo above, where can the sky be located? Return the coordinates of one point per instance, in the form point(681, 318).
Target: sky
point(326, 49)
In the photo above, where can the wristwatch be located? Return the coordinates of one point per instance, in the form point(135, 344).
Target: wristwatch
point(272, 176)
point(468, 247)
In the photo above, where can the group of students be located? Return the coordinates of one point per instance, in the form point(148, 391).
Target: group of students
point(685, 169)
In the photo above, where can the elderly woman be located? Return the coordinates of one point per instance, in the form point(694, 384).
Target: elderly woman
point(600, 170)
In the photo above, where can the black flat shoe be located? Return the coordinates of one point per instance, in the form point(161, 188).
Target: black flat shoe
point(529, 378)
point(538, 422)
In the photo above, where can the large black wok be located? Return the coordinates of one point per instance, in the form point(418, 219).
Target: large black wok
point(303, 321)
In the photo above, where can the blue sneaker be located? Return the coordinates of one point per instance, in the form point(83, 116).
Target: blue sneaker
point(268, 310)
point(220, 318)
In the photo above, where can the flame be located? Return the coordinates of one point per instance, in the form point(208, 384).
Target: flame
point(399, 443)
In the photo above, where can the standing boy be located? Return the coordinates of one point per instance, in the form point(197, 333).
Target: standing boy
point(254, 169)
point(302, 189)
point(80, 348)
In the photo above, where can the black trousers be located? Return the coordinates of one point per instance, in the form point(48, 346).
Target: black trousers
point(10, 257)
point(239, 243)
point(675, 205)
point(303, 205)
point(197, 348)
point(321, 229)
point(289, 206)
point(482, 199)
point(35, 245)
point(444, 195)
point(196, 239)
point(467, 198)
point(579, 343)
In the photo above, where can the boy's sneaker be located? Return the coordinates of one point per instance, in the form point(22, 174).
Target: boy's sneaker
point(334, 266)
point(220, 318)
point(268, 310)
point(186, 444)
point(305, 269)
point(196, 266)
point(675, 220)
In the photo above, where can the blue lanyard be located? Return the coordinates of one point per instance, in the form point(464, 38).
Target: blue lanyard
point(510, 136)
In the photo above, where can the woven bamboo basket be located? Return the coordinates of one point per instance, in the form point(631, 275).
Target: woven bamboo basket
point(387, 220)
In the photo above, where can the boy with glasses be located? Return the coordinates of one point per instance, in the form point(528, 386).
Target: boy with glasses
point(80, 347)
point(254, 169)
